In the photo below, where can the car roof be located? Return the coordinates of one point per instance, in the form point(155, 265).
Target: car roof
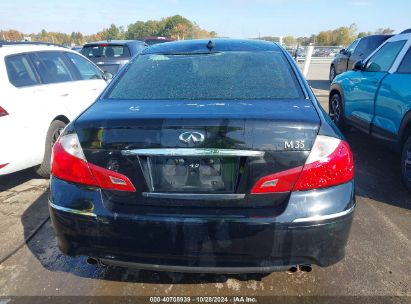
point(10, 49)
point(218, 45)
point(406, 36)
point(375, 36)
point(114, 42)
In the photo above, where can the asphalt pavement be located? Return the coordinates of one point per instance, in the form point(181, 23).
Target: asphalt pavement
point(377, 262)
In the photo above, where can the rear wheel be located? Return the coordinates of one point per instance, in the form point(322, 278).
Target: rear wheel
point(332, 73)
point(406, 163)
point(55, 129)
point(336, 110)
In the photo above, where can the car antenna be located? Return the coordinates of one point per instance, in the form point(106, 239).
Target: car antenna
point(210, 45)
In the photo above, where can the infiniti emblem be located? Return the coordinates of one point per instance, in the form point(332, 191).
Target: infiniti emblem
point(194, 137)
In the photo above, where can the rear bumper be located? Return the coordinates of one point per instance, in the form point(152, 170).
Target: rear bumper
point(313, 229)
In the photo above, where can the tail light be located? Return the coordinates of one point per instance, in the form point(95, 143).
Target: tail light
point(3, 165)
point(70, 164)
point(3, 112)
point(330, 163)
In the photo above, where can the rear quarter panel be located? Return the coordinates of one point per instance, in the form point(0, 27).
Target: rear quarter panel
point(22, 130)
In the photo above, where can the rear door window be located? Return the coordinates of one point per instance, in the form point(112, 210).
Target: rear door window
point(52, 67)
point(405, 66)
point(86, 69)
point(383, 59)
point(20, 71)
point(106, 51)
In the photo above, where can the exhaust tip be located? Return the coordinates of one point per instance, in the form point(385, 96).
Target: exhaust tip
point(293, 269)
point(306, 268)
point(92, 261)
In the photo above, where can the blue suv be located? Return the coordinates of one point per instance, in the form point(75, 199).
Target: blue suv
point(375, 97)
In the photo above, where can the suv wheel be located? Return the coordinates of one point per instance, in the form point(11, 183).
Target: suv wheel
point(336, 110)
point(406, 163)
point(332, 73)
point(53, 133)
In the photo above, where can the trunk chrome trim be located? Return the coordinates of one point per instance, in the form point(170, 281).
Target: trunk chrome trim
point(70, 210)
point(195, 196)
point(193, 152)
point(319, 218)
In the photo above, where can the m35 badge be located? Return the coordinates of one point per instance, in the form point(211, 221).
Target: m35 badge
point(294, 145)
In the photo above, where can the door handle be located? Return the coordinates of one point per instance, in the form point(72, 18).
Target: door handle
point(65, 95)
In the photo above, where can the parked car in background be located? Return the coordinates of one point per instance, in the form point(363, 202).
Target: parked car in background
point(77, 48)
point(112, 55)
point(204, 156)
point(360, 49)
point(156, 39)
point(376, 97)
point(43, 88)
point(295, 52)
point(323, 52)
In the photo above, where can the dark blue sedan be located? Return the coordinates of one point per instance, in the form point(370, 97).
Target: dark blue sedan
point(204, 156)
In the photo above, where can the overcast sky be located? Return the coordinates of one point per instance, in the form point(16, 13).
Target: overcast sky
point(232, 18)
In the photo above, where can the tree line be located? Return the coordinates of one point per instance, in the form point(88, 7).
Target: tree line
point(341, 36)
point(176, 27)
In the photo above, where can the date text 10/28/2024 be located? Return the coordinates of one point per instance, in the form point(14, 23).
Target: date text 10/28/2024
point(196, 299)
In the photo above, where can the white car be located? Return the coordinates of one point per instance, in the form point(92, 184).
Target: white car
point(43, 88)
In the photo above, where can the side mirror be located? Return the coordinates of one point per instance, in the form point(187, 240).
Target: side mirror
point(107, 76)
point(359, 65)
point(343, 51)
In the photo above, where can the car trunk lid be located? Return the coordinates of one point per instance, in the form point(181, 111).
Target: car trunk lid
point(200, 153)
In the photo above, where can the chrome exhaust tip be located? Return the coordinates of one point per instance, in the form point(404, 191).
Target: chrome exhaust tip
point(292, 269)
point(92, 261)
point(306, 268)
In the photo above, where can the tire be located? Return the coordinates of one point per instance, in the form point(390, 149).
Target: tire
point(406, 163)
point(336, 111)
point(56, 127)
point(332, 74)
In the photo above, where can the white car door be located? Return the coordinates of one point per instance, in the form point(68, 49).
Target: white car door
point(56, 75)
point(57, 78)
point(44, 85)
point(32, 100)
point(88, 87)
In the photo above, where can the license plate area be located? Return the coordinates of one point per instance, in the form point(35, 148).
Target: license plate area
point(191, 174)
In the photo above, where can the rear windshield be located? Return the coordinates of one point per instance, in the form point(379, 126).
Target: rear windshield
point(106, 51)
point(226, 75)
